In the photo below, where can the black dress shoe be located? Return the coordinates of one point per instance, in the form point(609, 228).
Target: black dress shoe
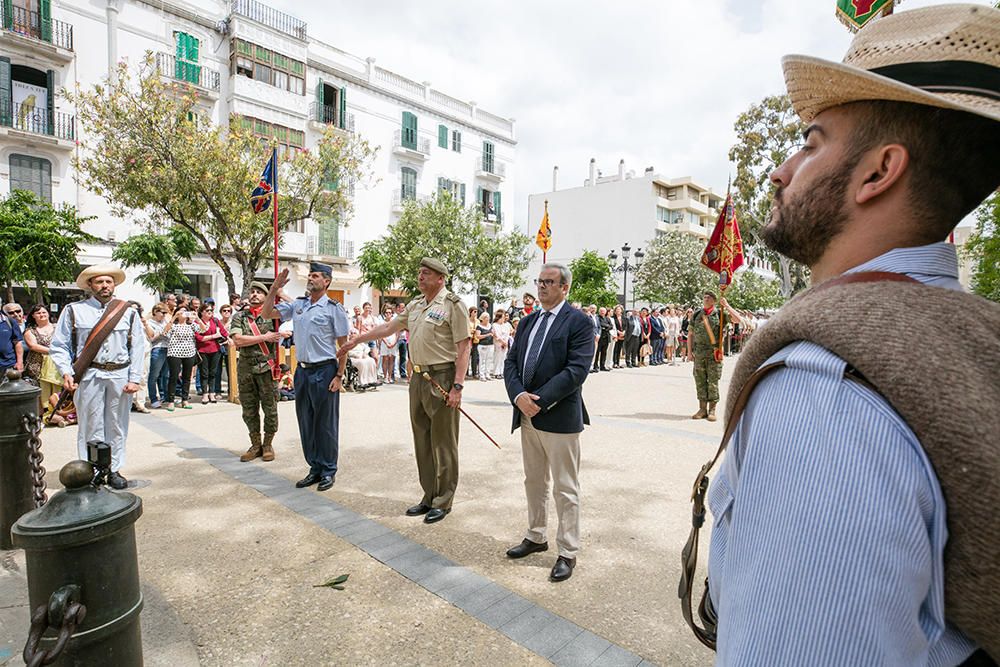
point(325, 482)
point(417, 510)
point(308, 480)
point(593, 370)
point(563, 569)
point(435, 514)
point(525, 548)
point(117, 482)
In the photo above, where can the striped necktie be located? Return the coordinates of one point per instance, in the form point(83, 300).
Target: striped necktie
point(531, 362)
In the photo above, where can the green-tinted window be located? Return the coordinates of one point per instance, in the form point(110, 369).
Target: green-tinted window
point(488, 157)
point(442, 136)
point(298, 67)
point(296, 138)
point(262, 127)
point(456, 141)
point(280, 61)
point(408, 183)
point(244, 48)
point(263, 55)
point(409, 134)
point(186, 66)
point(281, 134)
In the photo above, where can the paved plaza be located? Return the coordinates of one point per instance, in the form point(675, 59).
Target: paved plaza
point(230, 552)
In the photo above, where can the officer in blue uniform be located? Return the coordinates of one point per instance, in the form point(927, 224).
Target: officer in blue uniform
point(319, 326)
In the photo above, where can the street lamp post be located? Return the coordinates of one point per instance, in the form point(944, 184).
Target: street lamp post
point(624, 268)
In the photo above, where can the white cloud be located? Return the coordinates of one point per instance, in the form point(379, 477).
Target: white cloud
point(655, 82)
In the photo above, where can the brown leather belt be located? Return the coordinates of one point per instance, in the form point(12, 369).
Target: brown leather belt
point(433, 368)
point(108, 367)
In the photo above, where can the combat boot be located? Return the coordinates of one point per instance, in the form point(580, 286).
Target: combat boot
point(268, 450)
point(711, 412)
point(255, 448)
point(702, 412)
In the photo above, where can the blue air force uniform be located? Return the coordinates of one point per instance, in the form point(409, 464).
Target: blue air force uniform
point(316, 327)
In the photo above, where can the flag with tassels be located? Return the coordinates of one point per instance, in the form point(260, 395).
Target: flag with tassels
point(855, 14)
point(724, 253)
point(544, 237)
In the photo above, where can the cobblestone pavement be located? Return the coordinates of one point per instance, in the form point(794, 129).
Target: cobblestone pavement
point(230, 553)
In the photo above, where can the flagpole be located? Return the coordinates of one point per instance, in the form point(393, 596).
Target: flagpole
point(544, 251)
point(274, 162)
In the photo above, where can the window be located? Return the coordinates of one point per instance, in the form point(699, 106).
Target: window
point(456, 141)
point(488, 157)
point(663, 214)
point(33, 174)
point(454, 188)
point(442, 136)
point(268, 66)
point(409, 134)
point(286, 138)
point(186, 65)
point(408, 183)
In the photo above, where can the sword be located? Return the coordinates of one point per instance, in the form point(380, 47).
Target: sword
point(444, 395)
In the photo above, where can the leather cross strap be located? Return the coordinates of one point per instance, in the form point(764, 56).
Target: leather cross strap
point(689, 555)
point(708, 328)
point(271, 362)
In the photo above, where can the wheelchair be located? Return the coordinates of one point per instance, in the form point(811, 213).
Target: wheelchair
point(352, 379)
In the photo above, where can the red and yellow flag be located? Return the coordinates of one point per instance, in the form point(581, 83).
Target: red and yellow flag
point(544, 237)
point(724, 253)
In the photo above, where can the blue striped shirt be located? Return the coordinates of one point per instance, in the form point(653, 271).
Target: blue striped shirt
point(829, 534)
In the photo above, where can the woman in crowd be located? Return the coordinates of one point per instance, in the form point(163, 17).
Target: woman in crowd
point(473, 371)
point(672, 329)
point(181, 353)
point(37, 364)
point(388, 348)
point(485, 332)
point(618, 321)
point(226, 318)
point(158, 334)
point(501, 336)
point(207, 344)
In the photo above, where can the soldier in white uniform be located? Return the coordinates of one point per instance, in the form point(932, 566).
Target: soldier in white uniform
point(104, 395)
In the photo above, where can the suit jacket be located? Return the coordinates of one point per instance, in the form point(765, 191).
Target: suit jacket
point(563, 366)
point(630, 322)
point(606, 326)
point(657, 325)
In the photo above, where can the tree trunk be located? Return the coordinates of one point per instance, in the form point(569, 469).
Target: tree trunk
point(39, 290)
point(9, 288)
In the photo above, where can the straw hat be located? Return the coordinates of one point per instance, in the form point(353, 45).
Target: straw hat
point(83, 280)
point(944, 56)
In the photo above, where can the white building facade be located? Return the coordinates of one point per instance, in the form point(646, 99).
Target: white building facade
point(260, 67)
point(608, 212)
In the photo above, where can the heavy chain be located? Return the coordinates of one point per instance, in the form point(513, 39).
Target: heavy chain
point(72, 617)
point(33, 425)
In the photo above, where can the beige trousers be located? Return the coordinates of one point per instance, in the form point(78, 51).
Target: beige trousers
point(556, 457)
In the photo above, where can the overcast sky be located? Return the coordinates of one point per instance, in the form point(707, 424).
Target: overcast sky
point(656, 82)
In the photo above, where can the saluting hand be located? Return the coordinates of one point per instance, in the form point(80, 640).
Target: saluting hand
point(281, 280)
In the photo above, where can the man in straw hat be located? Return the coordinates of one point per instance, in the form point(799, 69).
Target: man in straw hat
point(829, 538)
point(103, 396)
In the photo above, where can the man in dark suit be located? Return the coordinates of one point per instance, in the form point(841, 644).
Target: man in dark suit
point(656, 338)
point(633, 339)
point(544, 373)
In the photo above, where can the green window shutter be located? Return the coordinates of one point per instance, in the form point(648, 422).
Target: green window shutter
point(8, 15)
point(45, 12)
point(408, 183)
point(442, 136)
point(409, 130)
point(50, 84)
point(179, 52)
point(488, 157)
point(461, 194)
point(6, 113)
point(343, 109)
point(496, 205)
point(319, 102)
point(479, 199)
point(194, 70)
point(441, 184)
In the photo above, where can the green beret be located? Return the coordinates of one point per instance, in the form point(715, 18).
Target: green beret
point(259, 286)
point(434, 265)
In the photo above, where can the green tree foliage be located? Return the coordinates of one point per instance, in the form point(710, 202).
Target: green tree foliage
point(150, 150)
point(592, 280)
point(38, 242)
point(983, 250)
point(767, 134)
point(492, 262)
point(672, 271)
point(159, 256)
point(752, 291)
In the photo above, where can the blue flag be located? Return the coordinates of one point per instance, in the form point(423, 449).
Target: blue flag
point(267, 187)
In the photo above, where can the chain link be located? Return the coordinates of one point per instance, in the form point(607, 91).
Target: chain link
point(33, 425)
point(72, 617)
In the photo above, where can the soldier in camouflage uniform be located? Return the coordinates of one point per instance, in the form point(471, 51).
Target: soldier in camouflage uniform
point(257, 386)
point(702, 344)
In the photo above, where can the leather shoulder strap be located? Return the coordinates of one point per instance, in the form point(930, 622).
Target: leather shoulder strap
point(114, 311)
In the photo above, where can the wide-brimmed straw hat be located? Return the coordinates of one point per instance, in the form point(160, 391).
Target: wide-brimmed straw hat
point(83, 280)
point(944, 56)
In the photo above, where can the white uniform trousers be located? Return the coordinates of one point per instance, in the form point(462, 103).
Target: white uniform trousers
point(556, 457)
point(102, 412)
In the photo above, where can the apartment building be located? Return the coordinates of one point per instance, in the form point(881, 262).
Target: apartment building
point(260, 67)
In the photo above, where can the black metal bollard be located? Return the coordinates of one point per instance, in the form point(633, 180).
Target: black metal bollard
point(18, 418)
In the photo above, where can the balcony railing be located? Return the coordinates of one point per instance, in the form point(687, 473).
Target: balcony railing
point(493, 166)
point(335, 247)
point(490, 215)
point(271, 17)
point(330, 115)
point(31, 24)
point(420, 145)
point(198, 75)
point(35, 119)
point(398, 200)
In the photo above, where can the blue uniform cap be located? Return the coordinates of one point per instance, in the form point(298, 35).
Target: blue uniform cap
point(319, 267)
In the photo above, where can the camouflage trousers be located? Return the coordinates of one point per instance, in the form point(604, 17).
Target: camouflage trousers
point(256, 394)
point(707, 372)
